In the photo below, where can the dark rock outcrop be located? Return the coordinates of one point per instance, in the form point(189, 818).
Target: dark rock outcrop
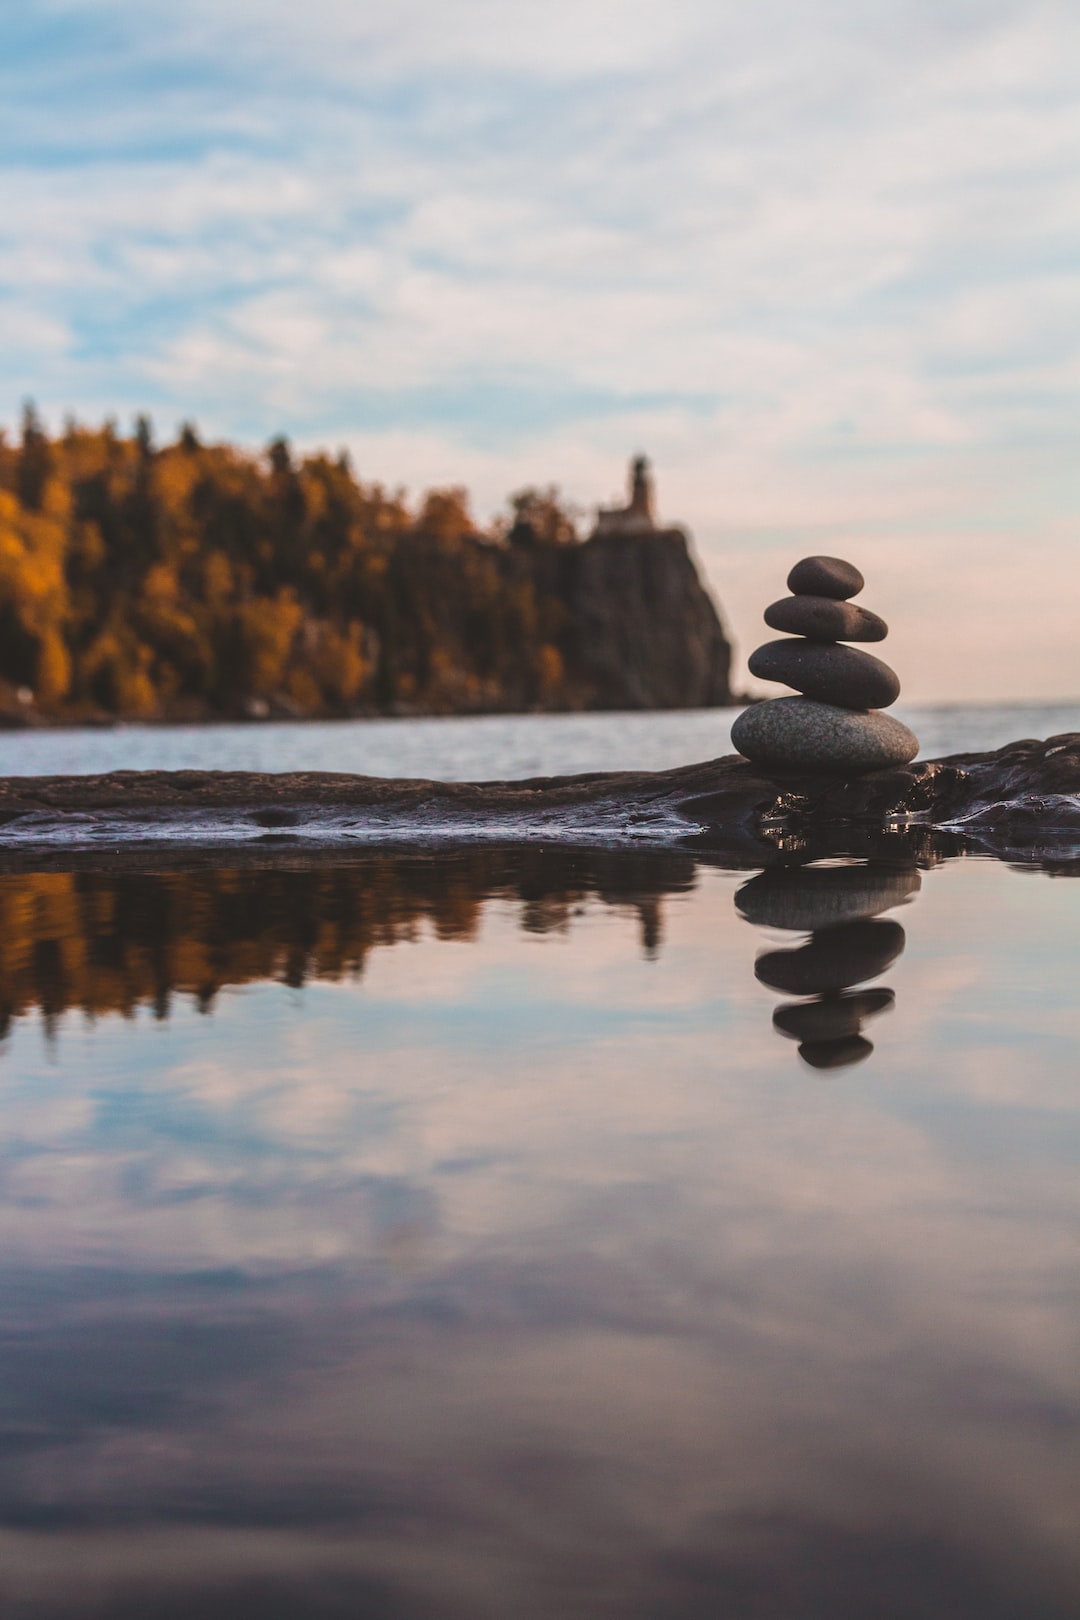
point(636, 628)
point(1022, 801)
point(621, 620)
point(642, 632)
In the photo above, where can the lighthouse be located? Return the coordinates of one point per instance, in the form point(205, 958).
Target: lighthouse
point(638, 517)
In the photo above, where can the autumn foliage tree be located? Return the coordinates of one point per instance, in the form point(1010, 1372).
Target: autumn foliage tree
point(189, 580)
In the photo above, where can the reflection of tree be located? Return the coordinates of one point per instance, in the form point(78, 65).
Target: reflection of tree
point(111, 941)
point(848, 944)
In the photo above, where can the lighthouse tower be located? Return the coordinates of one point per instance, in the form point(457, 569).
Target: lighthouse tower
point(638, 517)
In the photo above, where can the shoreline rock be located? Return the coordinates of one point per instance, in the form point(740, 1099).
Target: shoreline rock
point(1020, 802)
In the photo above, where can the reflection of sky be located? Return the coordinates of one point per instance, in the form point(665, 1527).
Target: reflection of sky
point(529, 1274)
point(817, 259)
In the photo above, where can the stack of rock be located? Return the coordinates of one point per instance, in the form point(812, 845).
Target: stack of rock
point(836, 725)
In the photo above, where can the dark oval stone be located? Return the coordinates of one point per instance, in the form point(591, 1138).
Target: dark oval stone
point(798, 734)
point(832, 1018)
point(825, 576)
point(833, 959)
point(824, 619)
point(835, 1054)
point(841, 675)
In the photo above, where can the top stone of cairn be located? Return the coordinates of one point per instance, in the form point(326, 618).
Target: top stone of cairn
point(825, 576)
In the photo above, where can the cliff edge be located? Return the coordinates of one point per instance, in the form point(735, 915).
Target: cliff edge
point(192, 582)
point(639, 629)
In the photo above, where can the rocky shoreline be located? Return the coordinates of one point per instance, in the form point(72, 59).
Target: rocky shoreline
point(1020, 802)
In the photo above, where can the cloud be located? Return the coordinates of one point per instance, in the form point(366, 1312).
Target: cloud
point(818, 261)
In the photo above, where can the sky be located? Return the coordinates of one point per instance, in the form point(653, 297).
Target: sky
point(819, 260)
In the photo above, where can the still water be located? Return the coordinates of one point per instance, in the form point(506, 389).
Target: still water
point(479, 748)
point(466, 1235)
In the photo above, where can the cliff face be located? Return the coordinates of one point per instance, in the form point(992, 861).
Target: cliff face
point(617, 621)
point(642, 631)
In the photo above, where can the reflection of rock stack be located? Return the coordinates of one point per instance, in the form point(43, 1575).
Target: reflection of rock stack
point(837, 724)
point(849, 943)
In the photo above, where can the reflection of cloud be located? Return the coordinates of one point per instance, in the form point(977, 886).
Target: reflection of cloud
point(551, 1302)
point(502, 246)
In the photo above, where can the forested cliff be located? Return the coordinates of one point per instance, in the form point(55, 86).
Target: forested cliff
point(191, 581)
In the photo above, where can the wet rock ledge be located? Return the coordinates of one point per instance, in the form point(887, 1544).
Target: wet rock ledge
point(1021, 800)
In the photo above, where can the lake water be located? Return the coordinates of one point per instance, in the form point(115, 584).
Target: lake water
point(479, 748)
point(470, 1234)
point(459, 1236)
